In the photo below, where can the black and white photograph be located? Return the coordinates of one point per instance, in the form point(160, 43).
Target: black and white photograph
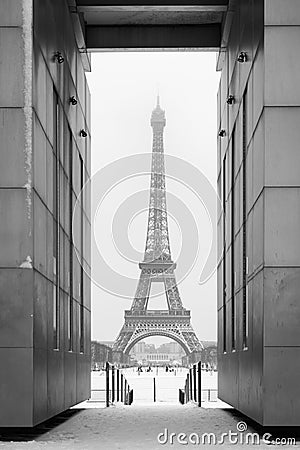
point(149, 224)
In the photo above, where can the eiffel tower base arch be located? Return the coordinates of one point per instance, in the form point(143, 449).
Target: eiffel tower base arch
point(174, 324)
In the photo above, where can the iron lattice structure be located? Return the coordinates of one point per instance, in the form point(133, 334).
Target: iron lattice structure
point(174, 322)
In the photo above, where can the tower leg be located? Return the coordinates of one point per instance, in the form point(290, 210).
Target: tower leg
point(118, 357)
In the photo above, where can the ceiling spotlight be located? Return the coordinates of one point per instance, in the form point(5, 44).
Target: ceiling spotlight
point(222, 133)
point(83, 133)
point(73, 100)
point(59, 57)
point(230, 100)
point(242, 57)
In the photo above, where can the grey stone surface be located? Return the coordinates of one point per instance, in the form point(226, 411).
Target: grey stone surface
point(38, 381)
point(263, 383)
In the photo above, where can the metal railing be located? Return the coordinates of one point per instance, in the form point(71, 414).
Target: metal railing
point(116, 389)
point(158, 312)
point(193, 388)
point(211, 395)
point(120, 389)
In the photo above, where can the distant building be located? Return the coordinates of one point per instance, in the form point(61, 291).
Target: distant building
point(171, 347)
point(164, 354)
point(139, 348)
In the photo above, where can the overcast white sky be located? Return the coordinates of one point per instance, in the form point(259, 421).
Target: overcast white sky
point(123, 88)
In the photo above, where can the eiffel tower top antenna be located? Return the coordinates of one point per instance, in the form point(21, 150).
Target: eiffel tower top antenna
point(157, 241)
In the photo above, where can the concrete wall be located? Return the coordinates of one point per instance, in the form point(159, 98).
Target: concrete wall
point(282, 213)
point(37, 380)
point(261, 380)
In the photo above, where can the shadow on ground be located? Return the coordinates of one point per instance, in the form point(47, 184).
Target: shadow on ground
point(30, 434)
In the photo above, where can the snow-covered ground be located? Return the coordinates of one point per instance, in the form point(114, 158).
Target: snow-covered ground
point(139, 427)
point(166, 385)
point(144, 424)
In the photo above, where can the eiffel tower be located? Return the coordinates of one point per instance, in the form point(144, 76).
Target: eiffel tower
point(157, 266)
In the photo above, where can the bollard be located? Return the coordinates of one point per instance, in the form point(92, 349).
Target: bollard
point(125, 392)
point(113, 384)
point(181, 396)
point(122, 379)
point(118, 385)
point(107, 383)
point(154, 390)
point(194, 382)
point(130, 395)
point(199, 384)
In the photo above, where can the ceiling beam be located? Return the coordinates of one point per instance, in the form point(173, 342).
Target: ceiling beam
point(204, 4)
point(153, 37)
point(151, 8)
